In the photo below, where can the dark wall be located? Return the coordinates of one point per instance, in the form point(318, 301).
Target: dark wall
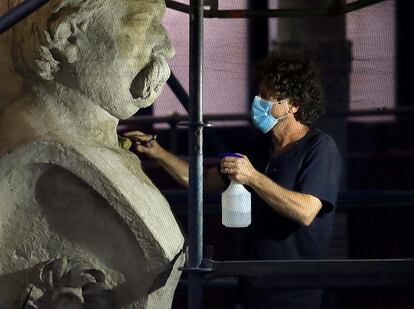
point(405, 54)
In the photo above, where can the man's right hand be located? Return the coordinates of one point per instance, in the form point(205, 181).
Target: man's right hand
point(145, 143)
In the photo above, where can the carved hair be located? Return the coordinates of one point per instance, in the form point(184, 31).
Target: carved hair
point(44, 37)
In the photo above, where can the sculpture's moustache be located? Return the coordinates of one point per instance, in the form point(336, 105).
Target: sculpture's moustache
point(150, 80)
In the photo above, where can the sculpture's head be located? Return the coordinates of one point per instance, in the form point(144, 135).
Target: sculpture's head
point(112, 51)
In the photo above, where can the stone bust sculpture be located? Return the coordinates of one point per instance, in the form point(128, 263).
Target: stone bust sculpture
point(67, 189)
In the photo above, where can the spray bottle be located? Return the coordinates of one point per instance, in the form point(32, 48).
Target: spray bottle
point(235, 202)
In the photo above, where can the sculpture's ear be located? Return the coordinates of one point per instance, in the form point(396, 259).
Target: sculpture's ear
point(61, 49)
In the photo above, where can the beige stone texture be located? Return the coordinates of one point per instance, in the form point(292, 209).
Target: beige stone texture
point(68, 73)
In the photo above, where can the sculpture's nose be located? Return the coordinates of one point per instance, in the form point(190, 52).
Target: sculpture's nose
point(170, 51)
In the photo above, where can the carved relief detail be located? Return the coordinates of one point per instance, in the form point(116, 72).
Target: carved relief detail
point(69, 284)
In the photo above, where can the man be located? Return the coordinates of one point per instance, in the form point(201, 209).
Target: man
point(293, 172)
point(67, 188)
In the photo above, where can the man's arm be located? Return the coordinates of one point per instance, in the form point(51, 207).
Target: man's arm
point(299, 207)
point(174, 165)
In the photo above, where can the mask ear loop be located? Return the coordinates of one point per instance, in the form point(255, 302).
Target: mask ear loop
point(288, 112)
point(280, 118)
point(291, 105)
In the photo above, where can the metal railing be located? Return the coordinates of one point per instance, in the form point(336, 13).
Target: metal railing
point(322, 11)
point(348, 201)
point(175, 120)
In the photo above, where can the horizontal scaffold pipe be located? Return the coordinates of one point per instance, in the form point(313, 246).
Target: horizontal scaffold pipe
point(277, 13)
point(322, 273)
point(348, 201)
point(402, 112)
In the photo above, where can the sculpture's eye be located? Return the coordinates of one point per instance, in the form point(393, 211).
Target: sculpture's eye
point(136, 19)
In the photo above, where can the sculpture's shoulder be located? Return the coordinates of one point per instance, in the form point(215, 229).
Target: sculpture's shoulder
point(91, 163)
point(114, 174)
point(83, 161)
point(38, 152)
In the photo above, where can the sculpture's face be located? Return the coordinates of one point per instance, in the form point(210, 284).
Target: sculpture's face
point(111, 51)
point(121, 56)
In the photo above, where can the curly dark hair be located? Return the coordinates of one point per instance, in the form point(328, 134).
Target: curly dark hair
point(296, 78)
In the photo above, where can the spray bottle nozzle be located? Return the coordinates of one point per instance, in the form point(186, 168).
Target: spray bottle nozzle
point(229, 154)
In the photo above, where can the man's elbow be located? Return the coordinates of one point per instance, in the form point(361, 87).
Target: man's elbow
point(314, 205)
point(307, 220)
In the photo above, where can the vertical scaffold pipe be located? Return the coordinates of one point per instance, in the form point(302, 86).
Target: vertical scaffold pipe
point(195, 202)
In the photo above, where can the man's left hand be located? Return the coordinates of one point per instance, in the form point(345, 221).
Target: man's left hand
point(239, 169)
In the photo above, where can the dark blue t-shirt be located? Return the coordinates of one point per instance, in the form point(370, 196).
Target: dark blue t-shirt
point(311, 165)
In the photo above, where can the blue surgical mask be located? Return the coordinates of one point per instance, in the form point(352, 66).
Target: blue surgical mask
point(261, 115)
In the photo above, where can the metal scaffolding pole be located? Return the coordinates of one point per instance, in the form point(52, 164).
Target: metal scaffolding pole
point(195, 195)
point(19, 12)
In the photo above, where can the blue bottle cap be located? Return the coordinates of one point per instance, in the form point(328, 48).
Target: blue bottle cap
point(229, 154)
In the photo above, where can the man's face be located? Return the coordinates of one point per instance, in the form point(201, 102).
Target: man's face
point(121, 55)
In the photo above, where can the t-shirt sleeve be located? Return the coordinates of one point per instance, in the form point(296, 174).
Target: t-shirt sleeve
point(320, 172)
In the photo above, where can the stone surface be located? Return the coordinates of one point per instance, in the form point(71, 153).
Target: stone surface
point(67, 189)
